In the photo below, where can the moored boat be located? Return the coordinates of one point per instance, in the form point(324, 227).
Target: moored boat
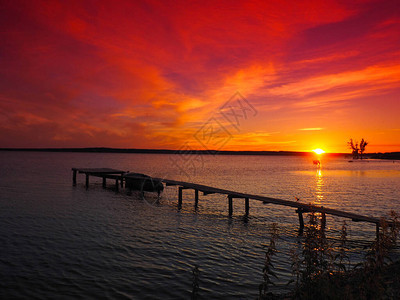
point(143, 183)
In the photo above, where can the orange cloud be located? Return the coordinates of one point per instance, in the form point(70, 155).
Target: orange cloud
point(311, 129)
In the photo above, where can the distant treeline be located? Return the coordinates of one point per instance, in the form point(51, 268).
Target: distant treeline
point(388, 155)
point(161, 151)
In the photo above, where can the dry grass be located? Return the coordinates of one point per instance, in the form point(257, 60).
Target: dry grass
point(320, 273)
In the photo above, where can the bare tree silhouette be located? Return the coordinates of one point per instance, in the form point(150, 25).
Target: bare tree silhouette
point(357, 152)
point(354, 147)
point(363, 144)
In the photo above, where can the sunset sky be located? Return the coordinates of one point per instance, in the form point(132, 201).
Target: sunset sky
point(228, 75)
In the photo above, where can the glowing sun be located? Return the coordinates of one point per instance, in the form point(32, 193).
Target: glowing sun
point(319, 151)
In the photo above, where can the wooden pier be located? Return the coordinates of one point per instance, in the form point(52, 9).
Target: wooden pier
point(300, 207)
point(118, 176)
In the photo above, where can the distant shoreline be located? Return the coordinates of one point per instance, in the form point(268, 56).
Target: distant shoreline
point(166, 151)
point(386, 155)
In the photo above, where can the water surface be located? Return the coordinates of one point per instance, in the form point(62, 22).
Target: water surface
point(64, 241)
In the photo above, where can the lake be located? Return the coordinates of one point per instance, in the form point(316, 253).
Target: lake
point(63, 241)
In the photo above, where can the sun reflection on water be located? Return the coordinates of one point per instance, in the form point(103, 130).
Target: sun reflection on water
point(319, 186)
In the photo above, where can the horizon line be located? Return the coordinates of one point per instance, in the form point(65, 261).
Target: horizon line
point(173, 151)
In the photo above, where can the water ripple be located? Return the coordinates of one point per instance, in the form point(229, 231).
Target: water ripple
point(60, 241)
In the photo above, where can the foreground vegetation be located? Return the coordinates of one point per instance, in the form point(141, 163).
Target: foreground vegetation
point(322, 270)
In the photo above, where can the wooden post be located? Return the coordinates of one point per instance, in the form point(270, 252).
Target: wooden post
point(301, 220)
point(116, 184)
point(247, 206)
point(230, 203)
point(196, 198)
point(323, 220)
point(377, 231)
point(87, 180)
point(180, 197)
point(74, 177)
point(122, 181)
point(104, 182)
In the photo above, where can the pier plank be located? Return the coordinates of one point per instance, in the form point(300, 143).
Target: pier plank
point(93, 171)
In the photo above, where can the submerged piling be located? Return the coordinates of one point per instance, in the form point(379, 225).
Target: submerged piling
point(87, 181)
point(180, 197)
point(230, 204)
point(301, 220)
point(196, 198)
point(116, 185)
point(323, 220)
point(247, 206)
point(74, 176)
